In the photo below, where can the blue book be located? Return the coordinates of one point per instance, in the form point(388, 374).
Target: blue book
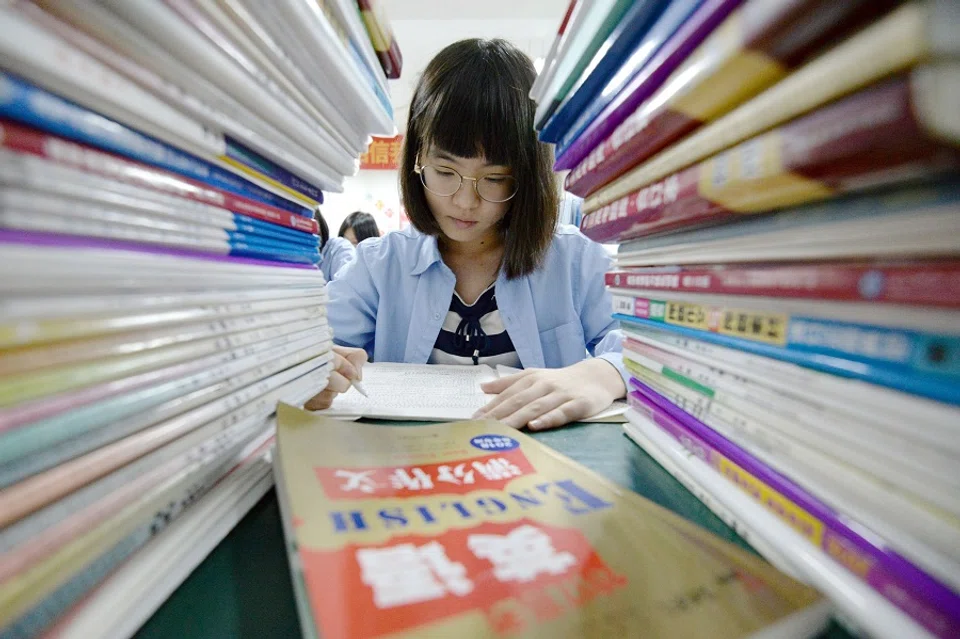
point(917, 363)
point(627, 40)
point(31, 105)
point(248, 157)
point(661, 31)
point(266, 229)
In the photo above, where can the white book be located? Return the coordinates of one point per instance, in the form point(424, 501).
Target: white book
point(118, 44)
point(559, 52)
point(160, 23)
point(350, 133)
point(60, 67)
point(348, 15)
point(427, 392)
point(857, 600)
point(316, 47)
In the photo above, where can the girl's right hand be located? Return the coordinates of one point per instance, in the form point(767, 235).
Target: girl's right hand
point(347, 366)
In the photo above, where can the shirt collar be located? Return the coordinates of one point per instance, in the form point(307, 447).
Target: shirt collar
point(428, 255)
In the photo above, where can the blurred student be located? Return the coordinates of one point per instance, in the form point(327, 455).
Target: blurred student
point(359, 226)
point(335, 252)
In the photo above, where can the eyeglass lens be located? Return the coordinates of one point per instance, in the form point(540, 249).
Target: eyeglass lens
point(445, 181)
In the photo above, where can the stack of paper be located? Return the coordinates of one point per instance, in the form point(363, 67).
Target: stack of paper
point(160, 166)
point(783, 181)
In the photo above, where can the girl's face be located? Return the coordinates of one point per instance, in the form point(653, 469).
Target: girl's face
point(464, 216)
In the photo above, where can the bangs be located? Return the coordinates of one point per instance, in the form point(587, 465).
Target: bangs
point(476, 107)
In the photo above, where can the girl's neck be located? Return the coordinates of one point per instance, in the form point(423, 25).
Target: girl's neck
point(482, 249)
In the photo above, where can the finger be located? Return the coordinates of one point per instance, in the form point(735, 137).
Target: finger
point(320, 401)
point(534, 408)
point(357, 358)
point(522, 400)
point(496, 386)
point(345, 368)
point(518, 386)
point(338, 383)
point(567, 412)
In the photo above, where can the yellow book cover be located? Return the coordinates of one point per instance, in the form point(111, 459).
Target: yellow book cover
point(474, 529)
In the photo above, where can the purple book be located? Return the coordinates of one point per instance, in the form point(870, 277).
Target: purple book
point(920, 596)
point(687, 38)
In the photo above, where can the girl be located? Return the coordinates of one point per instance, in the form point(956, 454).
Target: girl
point(485, 275)
point(359, 226)
point(335, 252)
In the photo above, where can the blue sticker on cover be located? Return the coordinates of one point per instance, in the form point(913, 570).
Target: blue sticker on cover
point(494, 443)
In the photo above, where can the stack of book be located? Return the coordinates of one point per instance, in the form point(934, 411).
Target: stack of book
point(160, 168)
point(783, 180)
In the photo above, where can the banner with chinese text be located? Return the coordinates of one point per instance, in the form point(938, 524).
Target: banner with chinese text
point(476, 530)
point(382, 154)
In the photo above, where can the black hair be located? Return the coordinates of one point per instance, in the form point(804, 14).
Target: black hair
point(471, 101)
point(363, 226)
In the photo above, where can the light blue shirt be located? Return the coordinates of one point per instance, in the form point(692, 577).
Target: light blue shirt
point(336, 253)
point(392, 300)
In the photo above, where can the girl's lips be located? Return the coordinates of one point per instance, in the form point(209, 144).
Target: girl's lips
point(463, 224)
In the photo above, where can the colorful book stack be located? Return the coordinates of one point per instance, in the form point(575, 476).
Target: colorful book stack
point(160, 166)
point(783, 180)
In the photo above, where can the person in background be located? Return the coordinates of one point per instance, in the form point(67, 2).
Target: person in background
point(335, 252)
point(485, 274)
point(359, 226)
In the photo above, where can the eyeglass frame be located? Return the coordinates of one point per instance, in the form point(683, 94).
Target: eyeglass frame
point(418, 169)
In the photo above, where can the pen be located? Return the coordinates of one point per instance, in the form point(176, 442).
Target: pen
point(360, 389)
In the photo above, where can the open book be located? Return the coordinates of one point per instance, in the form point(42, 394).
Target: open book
point(430, 392)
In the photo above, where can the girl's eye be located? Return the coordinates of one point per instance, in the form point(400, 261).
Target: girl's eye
point(494, 179)
point(445, 173)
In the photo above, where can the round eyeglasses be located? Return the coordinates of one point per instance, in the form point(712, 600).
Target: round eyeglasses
point(445, 182)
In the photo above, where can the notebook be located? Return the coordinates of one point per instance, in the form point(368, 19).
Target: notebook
point(430, 392)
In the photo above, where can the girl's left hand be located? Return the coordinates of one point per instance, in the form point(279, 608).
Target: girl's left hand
point(546, 398)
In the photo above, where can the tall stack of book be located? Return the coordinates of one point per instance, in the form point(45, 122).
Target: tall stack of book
point(783, 180)
point(160, 167)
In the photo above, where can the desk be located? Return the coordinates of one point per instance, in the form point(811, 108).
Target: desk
point(243, 588)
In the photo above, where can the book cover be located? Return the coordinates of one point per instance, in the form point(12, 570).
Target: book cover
point(913, 34)
point(928, 601)
point(874, 138)
point(474, 528)
point(756, 46)
point(677, 34)
point(612, 42)
point(929, 283)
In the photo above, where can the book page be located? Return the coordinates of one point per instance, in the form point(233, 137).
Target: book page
point(613, 413)
point(427, 392)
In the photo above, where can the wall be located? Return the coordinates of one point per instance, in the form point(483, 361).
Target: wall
point(374, 192)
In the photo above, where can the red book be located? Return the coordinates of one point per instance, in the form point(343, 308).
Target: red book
point(887, 134)
point(381, 37)
point(935, 283)
point(753, 49)
point(22, 139)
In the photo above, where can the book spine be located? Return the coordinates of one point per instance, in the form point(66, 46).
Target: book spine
point(892, 44)
point(917, 351)
point(818, 357)
point(910, 589)
point(692, 31)
point(30, 141)
point(377, 24)
point(35, 107)
point(749, 52)
point(869, 139)
point(603, 41)
point(238, 152)
point(934, 283)
point(551, 57)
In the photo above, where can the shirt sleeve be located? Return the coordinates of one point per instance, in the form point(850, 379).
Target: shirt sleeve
point(352, 308)
point(604, 339)
point(342, 252)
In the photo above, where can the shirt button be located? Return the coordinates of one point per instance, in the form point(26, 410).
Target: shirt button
point(436, 316)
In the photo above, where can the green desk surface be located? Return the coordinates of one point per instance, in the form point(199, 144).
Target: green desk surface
point(243, 588)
